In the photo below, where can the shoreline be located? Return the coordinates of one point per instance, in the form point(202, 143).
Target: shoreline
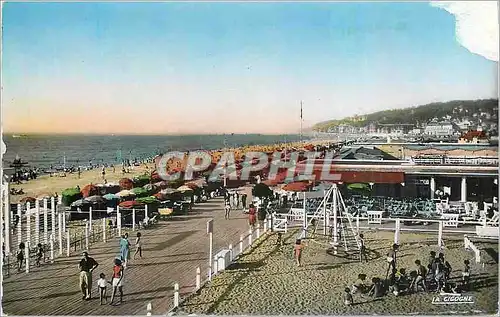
point(46, 184)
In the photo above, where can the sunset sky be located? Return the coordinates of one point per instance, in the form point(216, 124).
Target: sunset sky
point(226, 67)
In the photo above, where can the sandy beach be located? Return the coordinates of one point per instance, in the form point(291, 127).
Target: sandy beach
point(46, 184)
point(266, 281)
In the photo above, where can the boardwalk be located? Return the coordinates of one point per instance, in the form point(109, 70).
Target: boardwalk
point(172, 252)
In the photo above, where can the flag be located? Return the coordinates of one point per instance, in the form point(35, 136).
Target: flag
point(301, 110)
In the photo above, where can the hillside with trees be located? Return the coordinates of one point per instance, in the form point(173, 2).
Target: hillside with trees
point(453, 110)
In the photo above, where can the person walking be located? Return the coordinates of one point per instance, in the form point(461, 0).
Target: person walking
point(297, 251)
point(20, 256)
point(125, 249)
point(87, 266)
point(252, 215)
point(138, 246)
point(117, 280)
point(227, 210)
point(362, 249)
point(244, 201)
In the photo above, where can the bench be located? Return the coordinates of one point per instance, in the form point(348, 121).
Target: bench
point(374, 217)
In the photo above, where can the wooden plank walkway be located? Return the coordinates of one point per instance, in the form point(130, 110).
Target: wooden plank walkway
point(172, 251)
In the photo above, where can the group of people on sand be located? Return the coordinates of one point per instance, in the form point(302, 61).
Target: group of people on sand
point(436, 276)
point(88, 264)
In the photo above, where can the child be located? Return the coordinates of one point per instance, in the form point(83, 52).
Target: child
point(279, 240)
point(101, 284)
point(362, 248)
point(138, 245)
point(20, 256)
point(39, 254)
point(360, 285)
point(376, 288)
point(227, 209)
point(297, 251)
point(420, 277)
point(348, 297)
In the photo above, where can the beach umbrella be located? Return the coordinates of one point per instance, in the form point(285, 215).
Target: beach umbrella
point(125, 193)
point(160, 196)
point(147, 200)
point(70, 195)
point(126, 183)
point(184, 188)
point(89, 190)
point(192, 186)
point(80, 203)
point(140, 192)
point(150, 187)
point(155, 177)
point(296, 187)
point(162, 184)
point(141, 180)
point(95, 199)
point(168, 191)
point(30, 200)
point(110, 197)
point(130, 204)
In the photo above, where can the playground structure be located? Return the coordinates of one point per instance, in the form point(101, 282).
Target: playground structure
point(343, 228)
point(331, 215)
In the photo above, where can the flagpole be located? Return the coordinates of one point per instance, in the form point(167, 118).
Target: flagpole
point(301, 121)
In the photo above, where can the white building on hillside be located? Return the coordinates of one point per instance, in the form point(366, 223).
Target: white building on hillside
point(440, 129)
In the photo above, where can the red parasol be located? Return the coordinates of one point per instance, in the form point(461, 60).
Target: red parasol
point(126, 183)
point(130, 204)
point(155, 177)
point(297, 187)
point(89, 190)
point(30, 200)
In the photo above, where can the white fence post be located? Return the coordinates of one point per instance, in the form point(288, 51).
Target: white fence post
point(59, 229)
point(51, 248)
point(53, 215)
point(440, 234)
point(250, 233)
point(258, 230)
point(68, 243)
point(176, 295)
point(396, 231)
point(90, 219)
point(230, 253)
point(103, 229)
point(86, 235)
point(133, 219)
point(63, 219)
point(27, 255)
point(148, 308)
point(45, 222)
point(241, 244)
point(265, 226)
point(37, 222)
point(357, 223)
point(198, 278)
point(286, 226)
point(19, 224)
point(28, 222)
point(119, 221)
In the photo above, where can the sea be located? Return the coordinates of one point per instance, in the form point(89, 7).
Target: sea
point(52, 151)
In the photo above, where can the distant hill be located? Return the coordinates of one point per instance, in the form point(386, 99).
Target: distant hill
point(458, 109)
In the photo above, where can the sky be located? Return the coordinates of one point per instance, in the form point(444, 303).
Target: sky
point(175, 67)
